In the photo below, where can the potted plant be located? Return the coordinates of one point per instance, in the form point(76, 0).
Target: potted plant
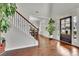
point(50, 27)
point(6, 10)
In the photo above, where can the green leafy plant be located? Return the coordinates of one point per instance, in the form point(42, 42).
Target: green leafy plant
point(4, 25)
point(6, 10)
point(50, 28)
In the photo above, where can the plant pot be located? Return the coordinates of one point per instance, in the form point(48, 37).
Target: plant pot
point(2, 45)
point(51, 37)
point(2, 41)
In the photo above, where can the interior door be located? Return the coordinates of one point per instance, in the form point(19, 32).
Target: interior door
point(66, 29)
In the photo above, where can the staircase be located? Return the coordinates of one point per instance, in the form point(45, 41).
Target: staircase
point(22, 33)
point(33, 29)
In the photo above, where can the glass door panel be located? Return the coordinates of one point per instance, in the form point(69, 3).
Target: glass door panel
point(65, 29)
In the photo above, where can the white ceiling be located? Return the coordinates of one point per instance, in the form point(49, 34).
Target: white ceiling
point(46, 9)
point(62, 8)
point(36, 9)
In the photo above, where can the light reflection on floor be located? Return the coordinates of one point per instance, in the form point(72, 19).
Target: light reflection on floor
point(62, 50)
point(66, 51)
point(75, 52)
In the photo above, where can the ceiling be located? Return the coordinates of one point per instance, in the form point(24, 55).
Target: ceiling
point(62, 8)
point(46, 9)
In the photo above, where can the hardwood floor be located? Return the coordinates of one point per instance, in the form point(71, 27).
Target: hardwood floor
point(46, 48)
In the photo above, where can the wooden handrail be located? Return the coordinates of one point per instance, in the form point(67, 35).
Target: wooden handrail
point(27, 20)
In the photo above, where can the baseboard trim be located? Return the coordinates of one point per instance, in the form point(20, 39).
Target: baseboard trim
point(32, 45)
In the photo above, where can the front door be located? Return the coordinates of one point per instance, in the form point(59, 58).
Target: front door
point(66, 29)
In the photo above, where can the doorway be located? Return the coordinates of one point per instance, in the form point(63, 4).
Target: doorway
point(66, 29)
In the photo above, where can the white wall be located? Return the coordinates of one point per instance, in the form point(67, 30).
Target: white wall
point(42, 29)
point(34, 20)
point(76, 41)
point(76, 17)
